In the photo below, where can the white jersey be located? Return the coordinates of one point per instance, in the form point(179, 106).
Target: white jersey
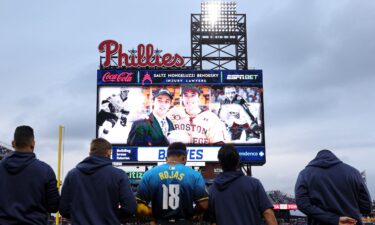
point(118, 104)
point(203, 128)
point(234, 113)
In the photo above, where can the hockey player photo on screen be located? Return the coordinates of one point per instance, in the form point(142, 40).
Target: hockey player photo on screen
point(118, 107)
point(240, 111)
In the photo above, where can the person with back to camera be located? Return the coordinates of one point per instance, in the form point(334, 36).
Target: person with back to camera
point(237, 199)
point(331, 192)
point(95, 192)
point(172, 188)
point(28, 186)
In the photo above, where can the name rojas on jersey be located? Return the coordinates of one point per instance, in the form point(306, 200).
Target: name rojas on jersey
point(203, 128)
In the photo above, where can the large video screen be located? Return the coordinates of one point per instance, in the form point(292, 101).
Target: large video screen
point(141, 111)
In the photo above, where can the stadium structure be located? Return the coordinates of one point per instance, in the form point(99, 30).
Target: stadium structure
point(4, 149)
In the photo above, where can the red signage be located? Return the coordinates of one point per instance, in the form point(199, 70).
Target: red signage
point(285, 206)
point(124, 77)
point(144, 56)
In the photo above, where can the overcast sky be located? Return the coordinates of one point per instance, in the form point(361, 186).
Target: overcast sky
point(317, 59)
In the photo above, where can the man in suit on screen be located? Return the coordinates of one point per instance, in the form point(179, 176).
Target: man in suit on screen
point(154, 130)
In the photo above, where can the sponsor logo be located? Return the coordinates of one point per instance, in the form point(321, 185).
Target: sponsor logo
point(143, 56)
point(147, 77)
point(135, 175)
point(242, 76)
point(124, 77)
point(123, 154)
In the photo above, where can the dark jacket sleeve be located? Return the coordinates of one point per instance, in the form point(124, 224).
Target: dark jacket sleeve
point(364, 197)
point(264, 202)
point(211, 205)
point(66, 198)
point(304, 204)
point(128, 203)
point(52, 193)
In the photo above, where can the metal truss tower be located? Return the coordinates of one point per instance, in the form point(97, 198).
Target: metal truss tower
point(218, 37)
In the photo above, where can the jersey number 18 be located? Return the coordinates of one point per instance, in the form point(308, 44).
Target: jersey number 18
point(171, 196)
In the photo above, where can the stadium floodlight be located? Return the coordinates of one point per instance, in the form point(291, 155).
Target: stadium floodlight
point(218, 16)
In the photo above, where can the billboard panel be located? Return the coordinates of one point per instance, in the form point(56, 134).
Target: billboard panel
point(141, 111)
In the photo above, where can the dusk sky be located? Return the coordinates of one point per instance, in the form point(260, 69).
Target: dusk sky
point(317, 59)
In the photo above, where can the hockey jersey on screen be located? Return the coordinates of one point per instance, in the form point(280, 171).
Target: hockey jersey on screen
point(236, 111)
point(116, 104)
point(203, 128)
point(172, 189)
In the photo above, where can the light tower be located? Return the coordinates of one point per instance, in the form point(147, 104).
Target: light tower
point(218, 37)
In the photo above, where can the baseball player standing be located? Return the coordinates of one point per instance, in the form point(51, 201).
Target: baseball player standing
point(201, 126)
point(172, 189)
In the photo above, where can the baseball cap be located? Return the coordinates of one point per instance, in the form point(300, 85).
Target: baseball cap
point(190, 88)
point(177, 147)
point(163, 91)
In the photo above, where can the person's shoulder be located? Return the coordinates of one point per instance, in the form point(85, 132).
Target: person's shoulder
point(142, 122)
point(154, 169)
point(153, 172)
point(42, 165)
point(208, 113)
point(349, 169)
point(119, 172)
point(176, 110)
point(189, 170)
point(73, 172)
point(251, 180)
point(240, 99)
point(114, 172)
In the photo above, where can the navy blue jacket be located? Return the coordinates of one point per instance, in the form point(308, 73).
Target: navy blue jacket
point(96, 193)
point(28, 190)
point(328, 188)
point(237, 199)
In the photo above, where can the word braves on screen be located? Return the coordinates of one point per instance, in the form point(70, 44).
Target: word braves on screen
point(142, 111)
point(143, 56)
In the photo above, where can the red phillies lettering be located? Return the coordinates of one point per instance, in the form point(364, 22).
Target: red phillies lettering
point(145, 56)
point(124, 77)
point(110, 47)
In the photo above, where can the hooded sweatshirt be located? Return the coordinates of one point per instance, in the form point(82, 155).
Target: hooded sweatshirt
point(29, 190)
point(97, 193)
point(328, 188)
point(237, 199)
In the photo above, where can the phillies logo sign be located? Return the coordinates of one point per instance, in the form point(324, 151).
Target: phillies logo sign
point(124, 77)
point(143, 56)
